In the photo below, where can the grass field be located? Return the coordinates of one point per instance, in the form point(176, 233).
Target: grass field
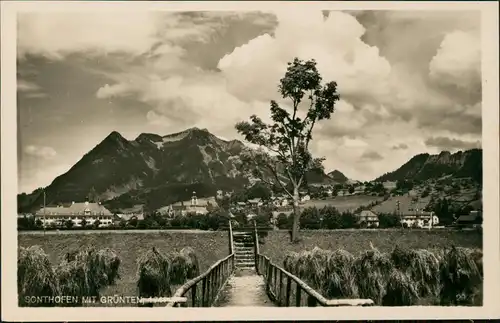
point(343, 203)
point(277, 246)
point(277, 243)
point(209, 246)
point(213, 246)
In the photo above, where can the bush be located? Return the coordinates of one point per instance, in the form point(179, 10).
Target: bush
point(284, 221)
point(310, 218)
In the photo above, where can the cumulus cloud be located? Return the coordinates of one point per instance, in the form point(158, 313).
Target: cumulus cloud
point(446, 143)
point(56, 34)
point(394, 79)
point(109, 91)
point(372, 155)
point(44, 152)
point(458, 60)
point(335, 43)
point(30, 89)
point(401, 146)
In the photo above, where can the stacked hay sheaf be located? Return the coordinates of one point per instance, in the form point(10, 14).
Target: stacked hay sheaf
point(87, 272)
point(35, 275)
point(460, 274)
point(158, 273)
point(154, 274)
point(184, 266)
point(402, 277)
point(81, 273)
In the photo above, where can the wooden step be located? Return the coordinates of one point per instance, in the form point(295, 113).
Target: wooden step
point(245, 264)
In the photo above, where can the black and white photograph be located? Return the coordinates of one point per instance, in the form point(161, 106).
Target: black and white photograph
point(285, 155)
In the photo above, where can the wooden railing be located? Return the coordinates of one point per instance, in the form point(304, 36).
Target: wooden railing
point(230, 234)
point(279, 283)
point(204, 289)
point(256, 244)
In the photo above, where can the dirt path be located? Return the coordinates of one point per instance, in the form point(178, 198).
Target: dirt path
point(244, 288)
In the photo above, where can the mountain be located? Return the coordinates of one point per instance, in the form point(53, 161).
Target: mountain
point(425, 166)
point(190, 159)
point(152, 170)
point(338, 177)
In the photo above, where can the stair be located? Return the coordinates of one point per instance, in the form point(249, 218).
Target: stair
point(244, 250)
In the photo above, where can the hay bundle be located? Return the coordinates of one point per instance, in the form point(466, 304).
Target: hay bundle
point(153, 274)
point(35, 275)
point(459, 276)
point(311, 266)
point(371, 270)
point(421, 266)
point(86, 272)
point(400, 290)
point(290, 262)
point(184, 266)
point(340, 281)
point(477, 256)
point(109, 260)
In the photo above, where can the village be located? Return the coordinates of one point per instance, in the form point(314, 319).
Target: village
point(408, 209)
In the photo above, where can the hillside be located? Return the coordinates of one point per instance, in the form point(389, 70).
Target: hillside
point(338, 177)
point(153, 170)
point(150, 167)
point(425, 166)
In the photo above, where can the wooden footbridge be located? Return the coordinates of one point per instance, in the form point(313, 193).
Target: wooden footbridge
point(247, 278)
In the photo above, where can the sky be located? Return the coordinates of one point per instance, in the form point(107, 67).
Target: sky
point(409, 81)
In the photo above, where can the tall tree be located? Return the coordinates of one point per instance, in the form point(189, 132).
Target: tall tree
point(283, 157)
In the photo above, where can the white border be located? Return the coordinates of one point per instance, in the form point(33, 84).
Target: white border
point(491, 245)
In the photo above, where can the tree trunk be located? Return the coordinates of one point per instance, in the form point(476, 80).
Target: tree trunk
point(296, 215)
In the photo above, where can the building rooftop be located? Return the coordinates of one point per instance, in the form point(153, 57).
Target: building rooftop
point(75, 209)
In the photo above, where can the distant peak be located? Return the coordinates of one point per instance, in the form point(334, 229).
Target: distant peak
point(115, 135)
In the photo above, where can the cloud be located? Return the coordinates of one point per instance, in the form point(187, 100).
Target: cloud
point(44, 152)
point(372, 155)
point(458, 61)
point(57, 34)
point(445, 143)
point(401, 146)
point(213, 69)
point(115, 90)
point(30, 89)
point(333, 42)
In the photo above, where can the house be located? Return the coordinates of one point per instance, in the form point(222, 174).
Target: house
point(196, 205)
point(255, 202)
point(76, 212)
point(280, 201)
point(419, 219)
point(472, 219)
point(343, 192)
point(131, 215)
point(388, 185)
point(369, 218)
point(358, 190)
point(305, 198)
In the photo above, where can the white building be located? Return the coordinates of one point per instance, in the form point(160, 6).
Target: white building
point(420, 220)
point(76, 212)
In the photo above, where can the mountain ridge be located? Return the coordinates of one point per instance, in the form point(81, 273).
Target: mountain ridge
point(425, 166)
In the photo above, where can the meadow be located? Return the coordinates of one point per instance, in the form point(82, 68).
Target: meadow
point(213, 246)
point(343, 203)
point(129, 247)
point(391, 267)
